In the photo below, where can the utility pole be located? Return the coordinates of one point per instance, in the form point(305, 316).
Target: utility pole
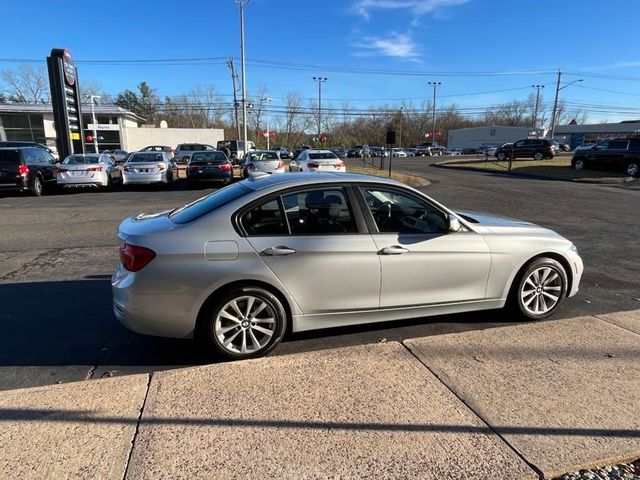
point(241, 4)
point(555, 102)
point(320, 81)
point(535, 110)
point(93, 98)
point(267, 100)
point(400, 129)
point(234, 80)
point(555, 106)
point(433, 129)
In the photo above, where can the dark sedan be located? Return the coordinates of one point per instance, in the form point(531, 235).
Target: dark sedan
point(209, 166)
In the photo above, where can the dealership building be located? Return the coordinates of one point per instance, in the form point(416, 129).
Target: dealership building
point(475, 137)
point(116, 128)
point(574, 135)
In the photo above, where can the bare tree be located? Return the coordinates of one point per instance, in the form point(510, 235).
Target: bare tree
point(27, 84)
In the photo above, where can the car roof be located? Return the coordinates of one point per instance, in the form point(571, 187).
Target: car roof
point(312, 178)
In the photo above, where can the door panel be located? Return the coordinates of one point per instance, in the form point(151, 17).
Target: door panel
point(326, 272)
point(438, 268)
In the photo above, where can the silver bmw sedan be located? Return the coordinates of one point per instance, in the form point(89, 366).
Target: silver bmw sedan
point(241, 266)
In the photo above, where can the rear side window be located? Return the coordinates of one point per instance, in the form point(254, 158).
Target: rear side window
point(265, 219)
point(618, 144)
point(204, 205)
point(319, 212)
point(9, 157)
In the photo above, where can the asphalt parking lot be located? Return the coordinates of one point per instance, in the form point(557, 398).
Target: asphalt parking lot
point(57, 254)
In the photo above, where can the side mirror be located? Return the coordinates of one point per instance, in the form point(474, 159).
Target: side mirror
point(454, 224)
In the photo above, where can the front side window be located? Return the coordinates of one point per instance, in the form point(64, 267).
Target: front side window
point(399, 212)
point(319, 212)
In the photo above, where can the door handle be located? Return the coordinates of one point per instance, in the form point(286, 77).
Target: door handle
point(393, 250)
point(278, 251)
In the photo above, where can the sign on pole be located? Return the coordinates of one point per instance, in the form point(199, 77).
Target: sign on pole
point(65, 97)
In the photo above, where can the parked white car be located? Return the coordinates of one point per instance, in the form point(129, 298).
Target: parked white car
point(398, 153)
point(317, 161)
point(149, 167)
point(90, 170)
point(261, 161)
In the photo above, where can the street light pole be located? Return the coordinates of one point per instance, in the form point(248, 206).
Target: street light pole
point(267, 100)
point(241, 4)
point(93, 98)
point(535, 110)
point(555, 102)
point(400, 129)
point(320, 81)
point(433, 129)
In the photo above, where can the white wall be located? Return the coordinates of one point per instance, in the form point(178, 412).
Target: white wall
point(475, 137)
point(136, 138)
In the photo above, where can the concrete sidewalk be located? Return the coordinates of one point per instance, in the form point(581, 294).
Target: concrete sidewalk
point(511, 402)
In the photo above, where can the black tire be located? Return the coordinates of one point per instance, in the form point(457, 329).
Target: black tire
point(501, 156)
point(538, 156)
point(274, 309)
point(37, 188)
point(109, 186)
point(557, 287)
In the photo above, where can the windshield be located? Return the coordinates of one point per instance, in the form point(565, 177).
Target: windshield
point(81, 159)
point(206, 157)
point(145, 157)
point(204, 205)
point(323, 156)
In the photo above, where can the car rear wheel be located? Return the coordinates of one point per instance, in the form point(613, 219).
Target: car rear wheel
point(501, 156)
point(247, 322)
point(578, 164)
point(540, 289)
point(538, 156)
point(36, 187)
point(632, 169)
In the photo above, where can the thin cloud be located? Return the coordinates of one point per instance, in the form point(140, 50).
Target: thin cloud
point(395, 45)
point(416, 7)
point(612, 66)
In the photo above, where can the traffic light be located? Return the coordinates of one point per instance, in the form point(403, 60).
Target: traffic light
point(89, 138)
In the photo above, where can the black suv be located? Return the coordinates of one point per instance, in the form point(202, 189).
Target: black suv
point(621, 155)
point(536, 148)
point(27, 169)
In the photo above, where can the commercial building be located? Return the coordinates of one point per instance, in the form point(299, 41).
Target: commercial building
point(116, 128)
point(474, 137)
point(574, 135)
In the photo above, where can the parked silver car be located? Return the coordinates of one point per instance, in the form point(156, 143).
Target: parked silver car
point(149, 167)
point(88, 170)
point(261, 161)
point(304, 251)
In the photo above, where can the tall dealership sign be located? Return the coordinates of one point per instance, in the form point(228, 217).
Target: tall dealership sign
point(65, 97)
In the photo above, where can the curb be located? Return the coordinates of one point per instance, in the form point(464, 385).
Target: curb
point(593, 181)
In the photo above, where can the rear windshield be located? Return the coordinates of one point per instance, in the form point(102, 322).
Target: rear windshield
point(204, 205)
point(323, 156)
point(9, 157)
point(258, 156)
point(80, 159)
point(207, 157)
point(145, 157)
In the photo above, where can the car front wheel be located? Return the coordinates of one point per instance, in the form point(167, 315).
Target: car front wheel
point(501, 156)
point(578, 164)
point(538, 156)
point(540, 289)
point(632, 169)
point(247, 322)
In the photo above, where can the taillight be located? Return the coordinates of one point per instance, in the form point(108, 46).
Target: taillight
point(23, 170)
point(225, 166)
point(250, 166)
point(339, 164)
point(312, 165)
point(134, 257)
point(94, 169)
point(280, 164)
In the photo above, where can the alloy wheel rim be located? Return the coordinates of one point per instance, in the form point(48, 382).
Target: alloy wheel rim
point(245, 324)
point(579, 165)
point(541, 290)
point(38, 185)
point(632, 169)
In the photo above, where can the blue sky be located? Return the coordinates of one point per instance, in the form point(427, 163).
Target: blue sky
point(455, 38)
